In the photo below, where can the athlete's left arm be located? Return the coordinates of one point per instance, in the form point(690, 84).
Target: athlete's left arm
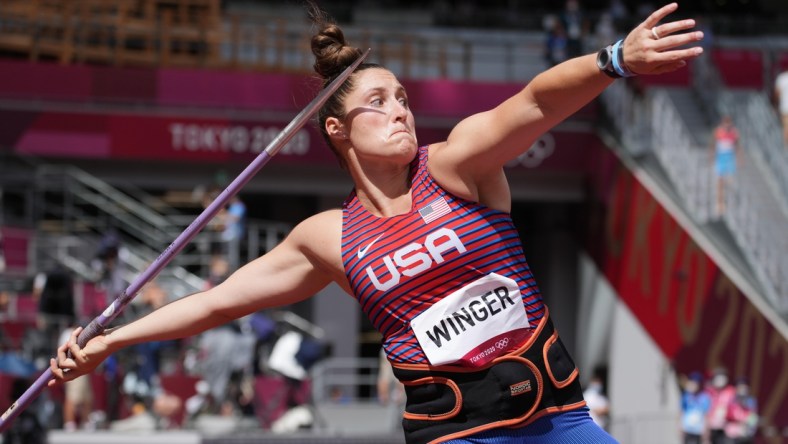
point(483, 143)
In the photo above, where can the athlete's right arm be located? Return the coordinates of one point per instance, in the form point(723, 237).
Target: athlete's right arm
point(294, 270)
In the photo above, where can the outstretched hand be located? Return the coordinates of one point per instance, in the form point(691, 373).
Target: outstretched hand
point(655, 48)
point(80, 361)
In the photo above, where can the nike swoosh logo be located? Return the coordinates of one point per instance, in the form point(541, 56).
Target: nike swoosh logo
point(363, 251)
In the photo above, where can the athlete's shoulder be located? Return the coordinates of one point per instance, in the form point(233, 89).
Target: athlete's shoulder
point(319, 238)
point(324, 225)
point(320, 234)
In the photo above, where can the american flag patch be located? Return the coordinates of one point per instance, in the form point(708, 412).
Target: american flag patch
point(434, 210)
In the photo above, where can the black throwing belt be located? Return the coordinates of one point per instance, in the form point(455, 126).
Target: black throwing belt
point(445, 402)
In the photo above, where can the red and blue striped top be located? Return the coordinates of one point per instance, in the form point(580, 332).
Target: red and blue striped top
point(400, 266)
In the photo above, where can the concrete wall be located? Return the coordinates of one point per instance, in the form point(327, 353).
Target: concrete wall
point(641, 384)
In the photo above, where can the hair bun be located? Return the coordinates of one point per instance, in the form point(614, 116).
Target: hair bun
point(331, 51)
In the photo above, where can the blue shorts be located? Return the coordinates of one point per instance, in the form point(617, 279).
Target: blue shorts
point(725, 164)
point(572, 427)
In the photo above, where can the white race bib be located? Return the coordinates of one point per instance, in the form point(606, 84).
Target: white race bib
point(474, 324)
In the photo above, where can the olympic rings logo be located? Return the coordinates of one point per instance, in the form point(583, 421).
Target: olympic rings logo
point(500, 345)
point(541, 149)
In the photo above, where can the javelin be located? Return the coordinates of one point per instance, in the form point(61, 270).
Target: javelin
point(101, 322)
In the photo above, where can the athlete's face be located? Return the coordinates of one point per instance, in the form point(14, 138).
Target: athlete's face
point(379, 123)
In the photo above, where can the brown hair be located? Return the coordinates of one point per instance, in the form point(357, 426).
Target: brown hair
point(332, 56)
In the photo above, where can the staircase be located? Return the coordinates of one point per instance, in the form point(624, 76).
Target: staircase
point(751, 230)
point(75, 210)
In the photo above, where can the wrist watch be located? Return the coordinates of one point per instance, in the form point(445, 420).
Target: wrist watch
point(604, 61)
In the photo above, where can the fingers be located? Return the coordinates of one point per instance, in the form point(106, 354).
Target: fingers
point(668, 41)
point(678, 40)
point(77, 353)
point(662, 35)
point(666, 29)
point(75, 335)
point(61, 375)
point(663, 49)
point(655, 48)
point(69, 358)
point(680, 54)
point(659, 14)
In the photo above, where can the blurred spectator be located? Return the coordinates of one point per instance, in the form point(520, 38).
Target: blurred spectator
point(781, 95)
point(598, 404)
point(726, 151)
point(391, 393)
point(576, 27)
point(226, 353)
point(742, 417)
point(227, 230)
point(110, 267)
point(695, 404)
point(234, 227)
point(111, 372)
point(555, 44)
point(147, 356)
point(54, 291)
point(227, 366)
point(721, 395)
point(78, 402)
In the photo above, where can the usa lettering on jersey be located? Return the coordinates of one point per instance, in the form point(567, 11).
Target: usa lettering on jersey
point(414, 258)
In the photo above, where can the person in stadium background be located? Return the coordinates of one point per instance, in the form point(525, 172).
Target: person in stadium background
point(597, 402)
point(726, 152)
point(721, 394)
point(742, 418)
point(234, 222)
point(695, 404)
point(426, 234)
point(781, 96)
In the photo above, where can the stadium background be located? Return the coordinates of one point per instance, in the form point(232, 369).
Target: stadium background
point(116, 116)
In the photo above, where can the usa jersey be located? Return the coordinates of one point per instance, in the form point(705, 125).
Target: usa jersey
point(445, 283)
